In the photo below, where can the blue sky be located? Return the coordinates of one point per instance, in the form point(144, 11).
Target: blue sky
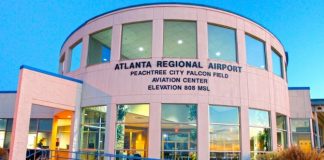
point(32, 32)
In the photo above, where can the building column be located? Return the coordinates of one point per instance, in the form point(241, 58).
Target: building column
point(245, 134)
point(273, 123)
point(203, 131)
point(288, 131)
point(317, 133)
point(75, 131)
point(154, 139)
point(111, 129)
point(311, 132)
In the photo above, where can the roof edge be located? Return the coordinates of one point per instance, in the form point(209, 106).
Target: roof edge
point(51, 74)
point(298, 88)
point(8, 92)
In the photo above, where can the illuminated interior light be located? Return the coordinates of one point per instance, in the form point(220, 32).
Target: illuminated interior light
point(218, 54)
point(141, 49)
point(180, 41)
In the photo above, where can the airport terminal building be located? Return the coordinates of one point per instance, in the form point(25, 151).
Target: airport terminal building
point(166, 81)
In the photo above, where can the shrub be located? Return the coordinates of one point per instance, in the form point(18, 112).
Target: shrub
point(293, 153)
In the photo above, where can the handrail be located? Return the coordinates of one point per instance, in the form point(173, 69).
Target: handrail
point(33, 154)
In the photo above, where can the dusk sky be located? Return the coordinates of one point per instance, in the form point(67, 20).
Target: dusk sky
point(32, 32)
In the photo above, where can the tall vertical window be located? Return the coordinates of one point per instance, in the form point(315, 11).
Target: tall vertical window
point(179, 131)
point(39, 130)
point(3, 124)
point(136, 41)
point(301, 133)
point(255, 52)
point(132, 129)
point(260, 133)
point(281, 131)
point(224, 132)
point(180, 39)
point(221, 43)
point(76, 53)
point(276, 63)
point(93, 124)
point(100, 47)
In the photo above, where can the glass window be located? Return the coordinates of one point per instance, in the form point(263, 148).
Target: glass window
point(93, 121)
point(281, 131)
point(2, 138)
point(132, 129)
point(301, 136)
point(260, 132)
point(276, 63)
point(100, 47)
point(33, 125)
point(45, 125)
point(221, 43)
point(179, 131)
point(76, 53)
point(180, 39)
point(224, 132)
point(136, 41)
point(255, 52)
point(3, 123)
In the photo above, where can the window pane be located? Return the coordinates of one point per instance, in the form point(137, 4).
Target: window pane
point(2, 138)
point(179, 113)
point(224, 155)
point(221, 43)
point(300, 125)
point(94, 116)
point(44, 138)
point(281, 122)
point(138, 113)
point(93, 123)
point(258, 118)
point(99, 47)
point(3, 123)
point(281, 140)
point(132, 129)
point(302, 140)
point(178, 140)
point(9, 125)
point(260, 139)
point(276, 63)
point(7, 140)
point(180, 39)
point(45, 125)
point(76, 53)
point(255, 52)
point(224, 138)
point(33, 125)
point(137, 41)
point(223, 114)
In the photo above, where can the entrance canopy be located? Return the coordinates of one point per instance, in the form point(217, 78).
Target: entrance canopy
point(37, 87)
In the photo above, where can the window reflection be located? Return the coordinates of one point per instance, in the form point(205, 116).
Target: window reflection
point(179, 131)
point(255, 52)
point(93, 123)
point(301, 136)
point(132, 129)
point(136, 40)
point(281, 131)
point(224, 132)
point(180, 39)
point(276, 63)
point(221, 43)
point(39, 130)
point(100, 47)
point(260, 132)
point(76, 53)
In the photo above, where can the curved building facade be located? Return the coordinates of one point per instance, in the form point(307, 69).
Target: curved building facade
point(181, 81)
point(169, 81)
